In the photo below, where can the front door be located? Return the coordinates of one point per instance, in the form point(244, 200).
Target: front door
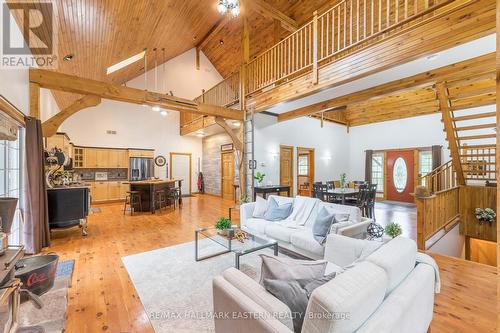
point(227, 175)
point(400, 175)
point(286, 167)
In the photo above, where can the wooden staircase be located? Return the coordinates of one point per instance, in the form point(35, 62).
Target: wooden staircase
point(470, 132)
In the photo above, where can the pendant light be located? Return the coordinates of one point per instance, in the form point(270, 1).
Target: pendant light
point(164, 112)
point(156, 108)
point(145, 72)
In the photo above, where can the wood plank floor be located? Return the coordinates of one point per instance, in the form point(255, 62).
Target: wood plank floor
point(103, 298)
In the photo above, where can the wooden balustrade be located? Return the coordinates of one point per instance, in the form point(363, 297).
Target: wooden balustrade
point(479, 162)
point(441, 178)
point(440, 211)
point(342, 29)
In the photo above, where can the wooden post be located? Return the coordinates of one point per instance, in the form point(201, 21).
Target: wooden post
point(444, 105)
point(420, 223)
point(497, 157)
point(203, 95)
point(197, 60)
point(315, 48)
point(35, 100)
point(245, 58)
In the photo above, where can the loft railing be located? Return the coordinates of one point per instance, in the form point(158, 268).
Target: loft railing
point(441, 178)
point(348, 25)
point(225, 93)
point(479, 162)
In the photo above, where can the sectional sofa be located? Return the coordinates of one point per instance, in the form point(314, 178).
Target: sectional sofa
point(296, 235)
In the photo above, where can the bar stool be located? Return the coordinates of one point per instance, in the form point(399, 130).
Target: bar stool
point(132, 199)
point(160, 199)
point(173, 195)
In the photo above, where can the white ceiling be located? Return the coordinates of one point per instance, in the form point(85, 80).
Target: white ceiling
point(450, 56)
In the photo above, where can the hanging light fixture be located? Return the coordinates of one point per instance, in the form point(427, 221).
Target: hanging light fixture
point(229, 6)
point(145, 72)
point(156, 108)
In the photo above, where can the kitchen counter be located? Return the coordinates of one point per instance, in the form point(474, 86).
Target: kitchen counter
point(148, 188)
point(153, 182)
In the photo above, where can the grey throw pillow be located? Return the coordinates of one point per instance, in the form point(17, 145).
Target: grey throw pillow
point(277, 212)
point(295, 294)
point(322, 225)
point(280, 268)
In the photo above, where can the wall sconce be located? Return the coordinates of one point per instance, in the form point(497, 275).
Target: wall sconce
point(274, 154)
point(326, 158)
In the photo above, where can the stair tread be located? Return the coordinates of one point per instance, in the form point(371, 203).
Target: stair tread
point(475, 116)
point(475, 127)
point(476, 137)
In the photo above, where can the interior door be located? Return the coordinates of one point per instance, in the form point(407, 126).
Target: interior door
point(180, 168)
point(227, 175)
point(286, 167)
point(400, 175)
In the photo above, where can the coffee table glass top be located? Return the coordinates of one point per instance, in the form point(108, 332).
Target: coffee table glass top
point(234, 245)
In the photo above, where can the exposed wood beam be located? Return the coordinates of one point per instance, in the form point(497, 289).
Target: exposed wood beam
point(269, 11)
point(50, 126)
point(77, 85)
point(213, 31)
point(458, 71)
point(444, 105)
point(35, 100)
point(11, 110)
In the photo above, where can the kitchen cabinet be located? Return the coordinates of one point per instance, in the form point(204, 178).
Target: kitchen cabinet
point(102, 156)
point(78, 157)
point(118, 158)
point(100, 191)
point(124, 188)
point(141, 153)
point(114, 191)
point(90, 158)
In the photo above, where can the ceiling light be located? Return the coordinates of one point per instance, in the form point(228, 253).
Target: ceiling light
point(229, 6)
point(68, 57)
point(432, 56)
point(125, 62)
point(156, 108)
point(164, 113)
point(200, 135)
point(236, 123)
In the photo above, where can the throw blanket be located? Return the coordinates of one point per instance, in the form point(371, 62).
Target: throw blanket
point(423, 258)
point(302, 209)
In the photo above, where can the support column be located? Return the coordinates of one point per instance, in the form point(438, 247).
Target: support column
point(35, 100)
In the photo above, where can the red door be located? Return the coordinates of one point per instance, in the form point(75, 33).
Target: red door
point(400, 172)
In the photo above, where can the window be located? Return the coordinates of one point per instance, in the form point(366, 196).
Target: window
point(378, 171)
point(11, 180)
point(400, 174)
point(425, 164)
point(303, 165)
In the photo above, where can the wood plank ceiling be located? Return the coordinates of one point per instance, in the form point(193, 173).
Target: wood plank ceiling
point(100, 33)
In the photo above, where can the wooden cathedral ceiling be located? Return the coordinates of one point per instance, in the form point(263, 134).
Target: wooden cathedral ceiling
point(101, 33)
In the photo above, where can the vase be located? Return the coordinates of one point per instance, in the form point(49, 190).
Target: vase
point(7, 211)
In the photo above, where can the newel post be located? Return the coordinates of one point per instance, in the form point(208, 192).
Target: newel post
point(420, 223)
point(315, 48)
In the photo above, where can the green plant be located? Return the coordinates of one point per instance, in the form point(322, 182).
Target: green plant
point(244, 199)
point(393, 230)
point(343, 180)
point(259, 176)
point(485, 215)
point(223, 223)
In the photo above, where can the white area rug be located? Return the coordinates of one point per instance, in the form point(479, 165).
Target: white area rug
point(176, 291)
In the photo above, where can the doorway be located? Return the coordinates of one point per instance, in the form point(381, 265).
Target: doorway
point(286, 167)
point(305, 171)
point(400, 178)
point(227, 175)
point(180, 168)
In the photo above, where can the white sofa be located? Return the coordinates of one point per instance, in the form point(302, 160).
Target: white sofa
point(299, 238)
point(387, 291)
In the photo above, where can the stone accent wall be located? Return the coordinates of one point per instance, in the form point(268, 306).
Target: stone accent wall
point(211, 165)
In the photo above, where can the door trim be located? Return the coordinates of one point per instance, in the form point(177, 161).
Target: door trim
point(221, 173)
point(293, 171)
point(190, 167)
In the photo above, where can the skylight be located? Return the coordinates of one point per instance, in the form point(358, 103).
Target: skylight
point(125, 63)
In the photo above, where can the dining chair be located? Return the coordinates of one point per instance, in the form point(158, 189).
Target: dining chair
point(370, 201)
point(330, 184)
point(336, 184)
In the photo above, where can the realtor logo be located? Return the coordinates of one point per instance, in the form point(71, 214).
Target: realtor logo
point(28, 35)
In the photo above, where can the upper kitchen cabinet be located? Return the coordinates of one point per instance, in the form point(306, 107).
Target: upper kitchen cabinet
point(61, 141)
point(90, 159)
point(103, 158)
point(141, 153)
point(118, 158)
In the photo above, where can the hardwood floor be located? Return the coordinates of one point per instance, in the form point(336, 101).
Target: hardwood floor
point(103, 298)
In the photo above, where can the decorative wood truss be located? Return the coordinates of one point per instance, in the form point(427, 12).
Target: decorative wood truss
point(94, 90)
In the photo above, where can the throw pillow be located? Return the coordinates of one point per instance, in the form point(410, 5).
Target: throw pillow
point(279, 268)
point(340, 221)
point(322, 225)
point(276, 212)
point(260, 208)
point(295, 294)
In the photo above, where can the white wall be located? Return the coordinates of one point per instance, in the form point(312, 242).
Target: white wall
point(330, 144)
point(139, 127)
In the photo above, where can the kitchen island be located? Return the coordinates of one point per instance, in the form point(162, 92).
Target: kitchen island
point(148, 188)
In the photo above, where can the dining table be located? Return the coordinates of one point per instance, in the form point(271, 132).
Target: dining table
point(343, 193)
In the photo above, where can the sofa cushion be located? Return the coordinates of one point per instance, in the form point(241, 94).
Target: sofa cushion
point(397, 258)
point(354, 212)
point(256, 225)
point(279, 232)
point(277, 212)
point(259, 295)
point(260, 208)
point(304, 239)
point(281, 268)
point(322, 225)
point(345, 303)
point(280, 199)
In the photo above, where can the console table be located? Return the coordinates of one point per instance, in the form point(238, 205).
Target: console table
point(265, 190)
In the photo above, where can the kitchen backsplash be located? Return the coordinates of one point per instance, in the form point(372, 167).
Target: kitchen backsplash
point(113, 174)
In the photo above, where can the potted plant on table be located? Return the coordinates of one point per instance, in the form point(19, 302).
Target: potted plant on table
point(259, 176)
point(224, 226)
point(486, 215)
point(343, 180)
point(393, 230)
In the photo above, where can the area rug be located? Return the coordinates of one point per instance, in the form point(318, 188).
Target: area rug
point(176, 291)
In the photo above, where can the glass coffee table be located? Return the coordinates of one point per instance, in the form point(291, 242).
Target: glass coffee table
point(252, 244)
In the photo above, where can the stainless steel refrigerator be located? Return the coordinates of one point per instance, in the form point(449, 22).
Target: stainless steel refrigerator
point(141, 168)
